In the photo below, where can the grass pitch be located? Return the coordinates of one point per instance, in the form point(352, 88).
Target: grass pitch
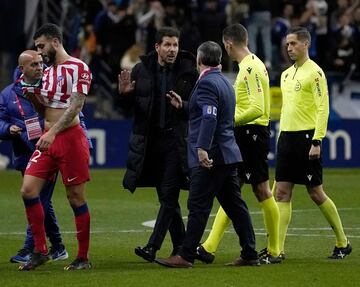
point(117, 218)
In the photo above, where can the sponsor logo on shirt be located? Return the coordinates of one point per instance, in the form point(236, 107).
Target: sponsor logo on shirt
point(258, 83)
point(247, 85)
point(85, 78)
point(297, 86)
point(318, 90)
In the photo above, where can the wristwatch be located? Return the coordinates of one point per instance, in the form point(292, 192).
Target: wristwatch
point(316, 142)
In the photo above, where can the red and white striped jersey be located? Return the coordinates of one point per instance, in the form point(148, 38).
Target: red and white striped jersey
point(60, 81)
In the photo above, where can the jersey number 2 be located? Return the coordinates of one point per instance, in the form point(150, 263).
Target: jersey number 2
point(36, 155)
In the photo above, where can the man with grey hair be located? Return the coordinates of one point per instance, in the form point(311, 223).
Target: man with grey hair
point(212, 158)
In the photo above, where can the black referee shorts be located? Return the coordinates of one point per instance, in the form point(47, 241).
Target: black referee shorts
point(254, 144)
point(292, 159)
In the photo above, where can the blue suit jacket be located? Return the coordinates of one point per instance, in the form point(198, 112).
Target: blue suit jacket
point(211, 120)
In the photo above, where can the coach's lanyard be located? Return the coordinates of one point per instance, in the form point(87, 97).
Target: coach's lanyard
point(21, 110)
point(32, 124)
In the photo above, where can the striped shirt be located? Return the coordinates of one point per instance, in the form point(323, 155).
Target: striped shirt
point(60, 81)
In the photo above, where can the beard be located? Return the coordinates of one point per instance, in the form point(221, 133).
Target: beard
point(49, 58)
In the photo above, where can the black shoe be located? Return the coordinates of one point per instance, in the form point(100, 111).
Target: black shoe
point(148, 252)
point(264, 252)
point(36, 260)
point(78, 264)
point(341, 252)
point(203, 255)
point(269, 259)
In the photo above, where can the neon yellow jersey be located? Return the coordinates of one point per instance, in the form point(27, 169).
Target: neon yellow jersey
point(305, 99)
point(252, 92)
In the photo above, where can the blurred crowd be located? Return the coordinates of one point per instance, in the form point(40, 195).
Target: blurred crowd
point(111, 35)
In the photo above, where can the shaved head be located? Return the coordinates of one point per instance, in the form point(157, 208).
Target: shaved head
point(31, 65)
point(27, 56)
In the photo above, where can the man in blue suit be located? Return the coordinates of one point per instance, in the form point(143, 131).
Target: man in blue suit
point(212, 158)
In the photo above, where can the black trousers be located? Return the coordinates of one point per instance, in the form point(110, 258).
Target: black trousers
point(221, 182)
point(164, 162)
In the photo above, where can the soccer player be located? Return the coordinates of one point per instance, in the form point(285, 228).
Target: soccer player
point(15, 113)
point(63, 146)
point(303, 125)
point(252, 134)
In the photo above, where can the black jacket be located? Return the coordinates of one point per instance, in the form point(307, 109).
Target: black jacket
point(141, 100)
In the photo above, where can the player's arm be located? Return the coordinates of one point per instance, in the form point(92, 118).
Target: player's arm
point(256, 107)
point(77, 101)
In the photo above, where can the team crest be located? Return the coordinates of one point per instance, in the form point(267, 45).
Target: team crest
point(297, 86)
point(60, 80)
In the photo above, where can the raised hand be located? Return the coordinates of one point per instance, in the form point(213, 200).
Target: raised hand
point(125, 84)
point(175, 99)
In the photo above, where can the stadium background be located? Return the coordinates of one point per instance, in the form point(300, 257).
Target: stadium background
point(100, 32)
point(110, 35)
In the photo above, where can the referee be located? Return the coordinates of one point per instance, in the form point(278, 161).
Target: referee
point(303, 125)
point(252, 134)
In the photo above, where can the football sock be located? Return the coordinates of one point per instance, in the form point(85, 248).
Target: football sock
point(331, 214)
point(82, 222)
point(285, 210)
point(35, 217)
point(271, 220)
point(221, 222)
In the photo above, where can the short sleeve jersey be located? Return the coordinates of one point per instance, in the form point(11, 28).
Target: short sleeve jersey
point(305, 99)
point(60, 81)
point(252, 92)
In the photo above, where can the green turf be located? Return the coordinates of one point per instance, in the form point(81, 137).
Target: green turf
point(116, 225)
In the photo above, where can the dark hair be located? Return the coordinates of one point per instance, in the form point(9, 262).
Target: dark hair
point(236, 33)
point(209, 54)
point(49, 30)
point(166, 32)
point(301, 33)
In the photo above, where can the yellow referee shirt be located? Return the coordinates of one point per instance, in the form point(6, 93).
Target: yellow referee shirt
point(305, 99)
point(252, 92)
